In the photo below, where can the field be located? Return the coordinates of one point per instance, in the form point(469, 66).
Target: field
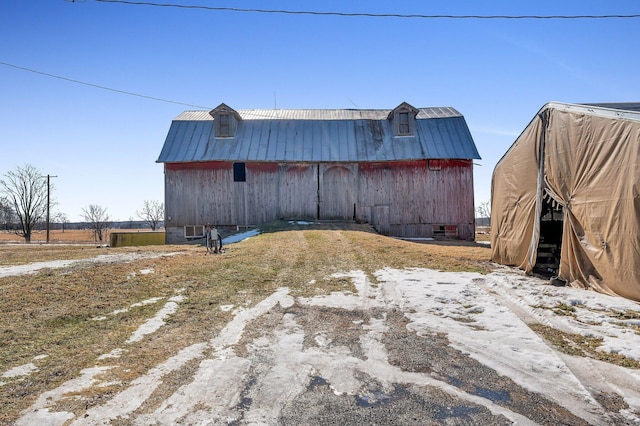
point(57, 236)
point(91, 318)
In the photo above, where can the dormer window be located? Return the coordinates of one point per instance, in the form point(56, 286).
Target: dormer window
point(403, 123)
point(225, 121)
point(224, 127)
point(402, 118)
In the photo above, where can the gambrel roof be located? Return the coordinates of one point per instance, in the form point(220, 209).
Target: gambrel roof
point(341, 135)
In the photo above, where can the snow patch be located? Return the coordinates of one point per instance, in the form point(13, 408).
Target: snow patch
point(139, 391)
point(39, 414)
point(337, 299)
point(178, 299)
point(150, 301)
point(300, 222)
point(116, 353)
point(590, 314)
point(157, 321)
point(146, 302)
point(21, 370)
point(213, 392)
point(236, 238)
point(33, 268)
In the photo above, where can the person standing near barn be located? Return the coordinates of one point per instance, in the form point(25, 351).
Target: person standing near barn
point(214, 239)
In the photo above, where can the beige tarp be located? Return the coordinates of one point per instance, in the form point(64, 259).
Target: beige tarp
point(591, 167)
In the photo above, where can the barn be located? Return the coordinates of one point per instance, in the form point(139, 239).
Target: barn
point(407, 171)
point(565, 198)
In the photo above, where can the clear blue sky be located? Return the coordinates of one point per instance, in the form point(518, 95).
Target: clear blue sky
point(102, 145)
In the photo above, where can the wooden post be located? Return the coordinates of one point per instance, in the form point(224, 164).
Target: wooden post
point(48, 202)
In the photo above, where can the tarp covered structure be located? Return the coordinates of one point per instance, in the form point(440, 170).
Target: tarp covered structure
point(584, 162)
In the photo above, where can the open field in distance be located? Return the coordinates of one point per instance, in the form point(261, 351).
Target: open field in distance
point(59, 236)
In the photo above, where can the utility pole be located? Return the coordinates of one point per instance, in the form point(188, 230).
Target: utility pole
point(48, 202)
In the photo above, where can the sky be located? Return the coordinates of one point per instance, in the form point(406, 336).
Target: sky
point(102, 145)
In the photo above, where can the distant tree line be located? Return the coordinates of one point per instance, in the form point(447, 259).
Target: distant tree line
point(25, 198)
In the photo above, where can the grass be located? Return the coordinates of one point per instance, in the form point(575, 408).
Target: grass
point(28, 253)
point(578, 345)
point(51, 313)
point(55, 236)
point(563, 309)
point(626, 315)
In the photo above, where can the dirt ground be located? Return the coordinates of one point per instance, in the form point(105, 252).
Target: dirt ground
point(385, 346)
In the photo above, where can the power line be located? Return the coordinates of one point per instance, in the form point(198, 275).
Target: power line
point(247, 113)
point(368, 15)
point(99, 86)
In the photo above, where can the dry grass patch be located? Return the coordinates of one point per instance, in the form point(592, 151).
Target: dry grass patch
point(55, 236)
point(483, 237)
point(68, 236)
point(53, 312)
point(21, 254)
point(578, 345)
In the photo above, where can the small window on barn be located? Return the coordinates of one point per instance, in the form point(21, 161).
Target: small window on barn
point(239, 172)
point(403, 124)
point(224, 125)
point(194, 231)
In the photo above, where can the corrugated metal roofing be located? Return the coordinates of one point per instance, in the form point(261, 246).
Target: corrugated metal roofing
point(625, 106)
point(627, 110)
point(319, 114)
point(319, 136)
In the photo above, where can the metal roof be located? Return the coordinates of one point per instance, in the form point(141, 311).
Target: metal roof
point(346, 135)
point(625, 106)
point(627, 110)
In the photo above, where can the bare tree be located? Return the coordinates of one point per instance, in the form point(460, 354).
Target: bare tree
point(484, 210)
point(152, 212)
point(483, 214)
point(62, 219)
point(98, 220)
point(26, 191)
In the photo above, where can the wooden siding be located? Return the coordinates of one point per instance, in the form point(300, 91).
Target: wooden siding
point(403, 198)
point(200, 193)
point(338, 191)
point(298, 191)
point(414, 197)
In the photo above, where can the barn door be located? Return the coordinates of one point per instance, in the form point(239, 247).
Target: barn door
point(337, 192)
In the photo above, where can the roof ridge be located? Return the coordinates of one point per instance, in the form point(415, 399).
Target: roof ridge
point(320, 114)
